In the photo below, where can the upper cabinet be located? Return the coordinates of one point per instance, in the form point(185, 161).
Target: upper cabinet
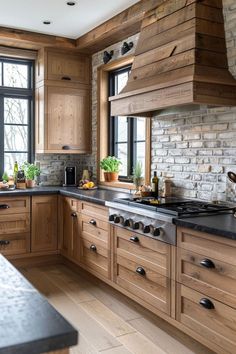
point(63, 105)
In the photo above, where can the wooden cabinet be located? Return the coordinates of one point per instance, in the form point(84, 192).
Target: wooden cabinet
point(70, 229)
point(14, 225)
point(44, 223)
point(63, 105)
point(142, 266)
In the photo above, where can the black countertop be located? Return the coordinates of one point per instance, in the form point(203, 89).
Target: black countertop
point(28, 323)
point(221, 225)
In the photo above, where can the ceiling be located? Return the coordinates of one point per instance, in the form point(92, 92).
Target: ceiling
point(67, 21)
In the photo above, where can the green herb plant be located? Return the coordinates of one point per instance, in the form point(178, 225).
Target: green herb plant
point(5, 177)
point(110, 164)
point(31, 171)
point(138, 175)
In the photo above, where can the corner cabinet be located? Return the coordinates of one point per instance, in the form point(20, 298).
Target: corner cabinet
point(63, 119)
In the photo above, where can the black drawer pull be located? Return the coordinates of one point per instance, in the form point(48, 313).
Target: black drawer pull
point(207, 263)
point(4, 242)
point(68, 147)
point(4, 206)
point(74, 215)
point(67, 78)
point(134, 239)
point(93, 222)
point(140, 271)
point(207, 304)
point(93, 248)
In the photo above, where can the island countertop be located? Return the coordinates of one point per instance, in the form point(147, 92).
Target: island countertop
point(28, 323)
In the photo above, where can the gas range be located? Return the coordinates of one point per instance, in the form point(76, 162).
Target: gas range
point(154, 218)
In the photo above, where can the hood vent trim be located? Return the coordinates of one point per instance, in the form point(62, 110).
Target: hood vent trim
point(180, 60)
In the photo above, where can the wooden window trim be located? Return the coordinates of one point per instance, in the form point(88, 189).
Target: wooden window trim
point(102, 129)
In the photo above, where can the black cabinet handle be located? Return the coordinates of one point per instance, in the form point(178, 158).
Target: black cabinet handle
point(93, 248)
point(93, 222)
point(4, 206)
point(68, 147)
point(207, 304)
point(134, 239)
point(140, 271)
point(74, 215)
point(66, 78)
point(207, 263)
point(4, 242)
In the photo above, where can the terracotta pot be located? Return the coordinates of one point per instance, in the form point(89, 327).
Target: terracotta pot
point(113, 176)
point(30, 183)
point(106, 176)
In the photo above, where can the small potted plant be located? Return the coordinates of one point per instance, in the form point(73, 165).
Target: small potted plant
point(138, 175)
point(31, 171)
point(111, 166)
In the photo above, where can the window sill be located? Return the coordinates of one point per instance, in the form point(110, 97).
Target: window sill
point(123, 185)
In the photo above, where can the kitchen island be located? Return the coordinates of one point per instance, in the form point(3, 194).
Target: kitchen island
point(28, 323)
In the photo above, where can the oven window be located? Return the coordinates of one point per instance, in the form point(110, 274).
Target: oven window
point(127, 134)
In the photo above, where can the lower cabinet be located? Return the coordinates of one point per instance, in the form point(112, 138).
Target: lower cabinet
point(44, 223)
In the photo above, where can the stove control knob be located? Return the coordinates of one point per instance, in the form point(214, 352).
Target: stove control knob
point(147, 229)
point(117, 219)
point(135, 225)
point(157, 231)
point(127, 222)
point(112, 217)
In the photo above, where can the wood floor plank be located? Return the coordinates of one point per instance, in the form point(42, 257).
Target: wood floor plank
point(108, 319)
point(118, 350)
point(136, 343)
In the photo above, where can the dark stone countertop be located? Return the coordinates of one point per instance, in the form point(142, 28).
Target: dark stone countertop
point(28, 323)
point(99, 196)
point(221, 225)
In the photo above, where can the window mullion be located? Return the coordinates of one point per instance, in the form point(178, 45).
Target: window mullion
point(1, 135)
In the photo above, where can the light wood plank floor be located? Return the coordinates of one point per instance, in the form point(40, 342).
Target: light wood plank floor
point(108, 322)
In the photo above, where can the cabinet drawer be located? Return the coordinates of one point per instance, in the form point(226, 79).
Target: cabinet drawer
point(14, 224)
point(208, 275)
point(13, 245)
point(209, 246)
point(94, 211)
point(14, 205)
point(95, 227)
point(150, 252)
point(95, 254)
point(217, 325)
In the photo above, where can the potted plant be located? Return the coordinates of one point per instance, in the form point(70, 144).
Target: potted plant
point(137, 175)
point(111, 166)
point(31, 171)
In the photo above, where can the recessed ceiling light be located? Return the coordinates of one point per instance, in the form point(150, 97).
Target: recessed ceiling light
point(71, 3)
point(47, 22)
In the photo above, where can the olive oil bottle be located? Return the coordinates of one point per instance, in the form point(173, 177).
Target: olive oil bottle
point(155, 181)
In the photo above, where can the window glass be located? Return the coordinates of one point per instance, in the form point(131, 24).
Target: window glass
point(15, 111)
point(15, 75)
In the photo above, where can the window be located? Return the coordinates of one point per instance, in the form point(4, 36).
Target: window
point(127, 134)
point(16, 112)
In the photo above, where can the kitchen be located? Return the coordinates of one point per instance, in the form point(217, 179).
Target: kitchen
point(131, 276)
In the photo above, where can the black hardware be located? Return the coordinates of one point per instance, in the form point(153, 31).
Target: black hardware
point(126, 47)
point(156, 232)
point(134, 239)
point(4, 206)
point(68, 147)
point(116, 219)
point(107, 56)
point(140, 271)
point(74, 215)
point(207, 304)
point(111, 217)
point(93, 248)
point(67, 78)
point(135, 225)
point(207, 263)
point(146, 229)
point(127, 222)
point(4, 242)
point(93, 222)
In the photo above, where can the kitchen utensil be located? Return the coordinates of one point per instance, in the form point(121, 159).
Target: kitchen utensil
point(232, 176)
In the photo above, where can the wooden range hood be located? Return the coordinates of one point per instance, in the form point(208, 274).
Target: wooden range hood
point(180, 60)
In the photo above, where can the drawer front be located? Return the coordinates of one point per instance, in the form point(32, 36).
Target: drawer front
point(95, 254)
point(94, 211)
point(150, 252)
point(144, 282)
point(217, 325)
point(15, 245)
point(94, 227)
point(72, 204)
point(208, 275)
point(14, 224)
point(209, 246)
point(14, 205)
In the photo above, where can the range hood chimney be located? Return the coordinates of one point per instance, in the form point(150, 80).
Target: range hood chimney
point(180, 61)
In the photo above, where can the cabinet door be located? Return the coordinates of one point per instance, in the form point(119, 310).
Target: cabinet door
point(44, 223)
point(70, 241)
point(68, 120)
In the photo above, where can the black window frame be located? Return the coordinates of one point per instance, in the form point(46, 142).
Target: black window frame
point(21, 93)
point(132, 130)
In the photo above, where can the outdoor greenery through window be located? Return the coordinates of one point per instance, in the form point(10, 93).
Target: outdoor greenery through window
point(16, 111)
point(127, 134)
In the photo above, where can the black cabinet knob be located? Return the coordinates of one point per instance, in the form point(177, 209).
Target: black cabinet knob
point(93, 222)
point(135, 225)
point(117, 220)
point(127, 222)
point(4, 242)
point(207, 304)
point(74, 215)
point(140, 271)
point(93, 248)
point(4, 206)
point(207, 263)
point(67, 78)
point(134, 239)
point(112, 217)
point(157, 232)
point(147, 229)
